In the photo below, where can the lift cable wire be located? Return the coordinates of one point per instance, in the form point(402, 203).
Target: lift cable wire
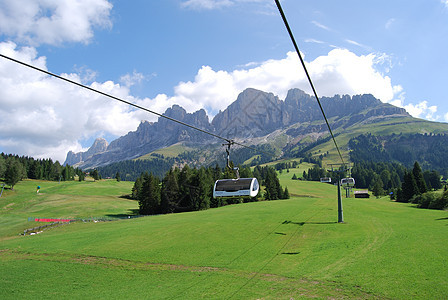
point(229, 141)
point(307, 75)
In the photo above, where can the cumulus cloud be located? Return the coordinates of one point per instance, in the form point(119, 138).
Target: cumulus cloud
point(422, 110)
point(339, 72)
point(44, 116)
point(37, 22)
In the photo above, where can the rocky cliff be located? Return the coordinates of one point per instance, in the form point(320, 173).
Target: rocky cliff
point(99, 146)
point(253, 114)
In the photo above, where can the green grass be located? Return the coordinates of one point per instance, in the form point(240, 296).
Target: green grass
point(65, 200)
point(404, 125)
point(171, 151)
point(265, 250)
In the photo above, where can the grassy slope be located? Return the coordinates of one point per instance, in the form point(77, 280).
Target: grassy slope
point(279, 249)
point(404, 125)
point(65, 200)
point(171, 151)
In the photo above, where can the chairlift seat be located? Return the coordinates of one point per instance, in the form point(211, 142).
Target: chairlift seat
point(242, 187)
point(348, 182)
point(325, 180)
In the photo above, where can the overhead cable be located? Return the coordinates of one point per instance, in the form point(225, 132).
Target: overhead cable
point(229, 141)
point(307, 74)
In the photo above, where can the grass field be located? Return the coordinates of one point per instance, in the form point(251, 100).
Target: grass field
point(265, 250)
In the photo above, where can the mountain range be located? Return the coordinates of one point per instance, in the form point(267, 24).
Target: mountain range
point(255, 117)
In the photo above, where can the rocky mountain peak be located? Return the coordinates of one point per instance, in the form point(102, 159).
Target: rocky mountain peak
point(253, 114)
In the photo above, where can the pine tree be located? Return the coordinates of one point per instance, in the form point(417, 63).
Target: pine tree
point(419, 179)
point(170, 192)
point(286, 193)
point(14, 172)
point(2, 166)
point(409, 187)
point(149, 198)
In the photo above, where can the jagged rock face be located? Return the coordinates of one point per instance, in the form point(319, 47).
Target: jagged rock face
point(254, 114)
point(152, 136)
point(99, 145)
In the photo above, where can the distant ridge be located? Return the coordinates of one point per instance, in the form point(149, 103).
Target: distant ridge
point(254, 114)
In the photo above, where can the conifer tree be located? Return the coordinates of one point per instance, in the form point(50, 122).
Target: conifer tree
point(409, 187)
point(14, 172)
point(419, 179)
point(170, 192)
point(149, 198)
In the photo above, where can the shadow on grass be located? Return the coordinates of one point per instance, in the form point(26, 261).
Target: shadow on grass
point(131, 213)
point(440, 219)
point(303, 223)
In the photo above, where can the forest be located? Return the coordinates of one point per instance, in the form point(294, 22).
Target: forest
point(191, 189)
point(14, 168)
point(428, 149)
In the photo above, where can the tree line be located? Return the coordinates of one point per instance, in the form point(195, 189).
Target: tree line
point(383, 178)
point(130, 170)
point(418, 190)
point(14, 168)
point(428, 149)
point(191, 189)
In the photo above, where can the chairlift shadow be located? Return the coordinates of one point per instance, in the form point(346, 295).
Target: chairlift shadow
point(303, 223)
point(131, 213)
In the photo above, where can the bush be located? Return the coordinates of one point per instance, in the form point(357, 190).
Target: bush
point(439, 202)
point(423, 200)
point(431, 200)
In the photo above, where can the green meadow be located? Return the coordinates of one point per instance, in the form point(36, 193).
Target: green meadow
point(285, 249)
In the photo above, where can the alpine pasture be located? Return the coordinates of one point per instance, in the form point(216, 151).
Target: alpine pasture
point(280, 249)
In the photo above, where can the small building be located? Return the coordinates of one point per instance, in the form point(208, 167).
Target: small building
point(362, 194)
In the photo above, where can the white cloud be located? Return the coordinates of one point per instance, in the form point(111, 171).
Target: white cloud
point(53, 22)
point(321, 26)
point(129, 80)
point(207, 4)
point(314, 41)
point(44, 116)
point(422, 110)
point(339, 72)
point(358, 44)
point(389, 23)
point(265, 7)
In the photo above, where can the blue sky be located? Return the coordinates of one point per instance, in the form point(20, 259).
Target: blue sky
point(201, 54)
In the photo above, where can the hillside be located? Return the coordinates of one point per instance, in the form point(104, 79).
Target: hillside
point(255, 118)
point(273, 250)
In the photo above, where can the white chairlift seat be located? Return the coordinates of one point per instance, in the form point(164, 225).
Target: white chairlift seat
point(325, 179)
point(348, 182)
point(242, 187)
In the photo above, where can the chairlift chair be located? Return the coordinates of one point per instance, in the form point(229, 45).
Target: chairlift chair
point(325, 179)
point(348, 182)
point(240, 187)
